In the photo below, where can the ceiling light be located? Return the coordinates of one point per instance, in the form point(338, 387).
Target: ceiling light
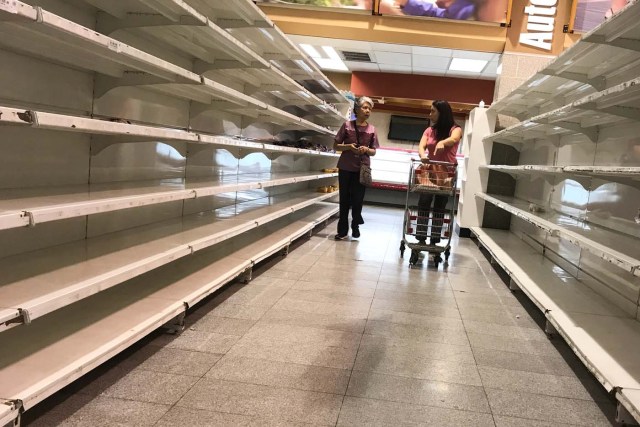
point(327, 58)
point(471, 65)
point(310, 50)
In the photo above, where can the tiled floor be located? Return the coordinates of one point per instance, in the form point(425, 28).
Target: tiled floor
point(344, 333)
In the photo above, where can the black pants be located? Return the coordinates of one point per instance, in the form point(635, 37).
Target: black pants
point(351, 197)
point(424, 208)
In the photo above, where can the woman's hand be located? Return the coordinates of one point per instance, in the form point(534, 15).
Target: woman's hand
point(424, 159)
point(441, 146)
point(363, 150)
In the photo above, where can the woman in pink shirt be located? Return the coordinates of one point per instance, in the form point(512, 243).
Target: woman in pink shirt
point(439, 143)
point(357, 140)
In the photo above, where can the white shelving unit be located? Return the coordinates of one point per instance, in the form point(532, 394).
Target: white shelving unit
point(151, 154)
point(572, 239)
point(605, 57)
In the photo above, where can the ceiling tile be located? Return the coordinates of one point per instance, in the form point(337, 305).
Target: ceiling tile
point(469, 54)
point(390, 47)
point(428, 72)
point(491, 68)
point(430, 51)
point(393, 58)
point(431, 62)
point(362, 66)
point(389, 68)
point(464, 74)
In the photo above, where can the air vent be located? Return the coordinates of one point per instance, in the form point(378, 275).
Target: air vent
point(356, 56)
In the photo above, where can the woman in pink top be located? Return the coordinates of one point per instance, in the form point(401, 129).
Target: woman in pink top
point(439, 143)
point(357, 140)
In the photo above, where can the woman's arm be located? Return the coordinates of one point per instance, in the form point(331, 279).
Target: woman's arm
point(422, 147)
point(338, 142)
point(455, 137)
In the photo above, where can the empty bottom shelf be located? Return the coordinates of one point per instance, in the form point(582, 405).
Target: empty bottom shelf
point(39, 359)
point(605, 338)
point(630, 399)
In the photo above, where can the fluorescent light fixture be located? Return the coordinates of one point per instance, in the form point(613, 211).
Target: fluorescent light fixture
point(310, 50)
point(499, 69)
point(471, 65)
point(327, 59)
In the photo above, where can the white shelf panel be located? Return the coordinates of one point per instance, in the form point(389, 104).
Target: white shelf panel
point(630, 399)
point(588, 236)
point(605, 57)
point(629, 175)
point(604, 338)
point(609, 112)
point(129, 132)
point(13, 219)
point(526, 169)
point(8, 412)
point(247, 23)
point(68, 343)
point(52, 204)
point(68, 273)
point(59, 40)
point(45, 35)
point(175, 23)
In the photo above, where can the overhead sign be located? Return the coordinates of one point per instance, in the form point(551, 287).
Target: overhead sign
point(541, 22)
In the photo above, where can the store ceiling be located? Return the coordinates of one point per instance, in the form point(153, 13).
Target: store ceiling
point(406, 59)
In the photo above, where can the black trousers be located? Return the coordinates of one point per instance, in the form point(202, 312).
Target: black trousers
point(424, 208)
point(351, 197)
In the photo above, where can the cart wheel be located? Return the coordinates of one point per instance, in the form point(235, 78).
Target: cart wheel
point(402, 249)
point(414, 257)
point(437, 260)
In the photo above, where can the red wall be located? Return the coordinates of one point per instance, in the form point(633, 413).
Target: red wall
point(469, 91)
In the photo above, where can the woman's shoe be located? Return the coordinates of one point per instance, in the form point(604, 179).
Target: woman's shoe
point(355, 232)
point(340, 237)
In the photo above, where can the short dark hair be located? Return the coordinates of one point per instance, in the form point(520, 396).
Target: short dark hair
point(445, 119)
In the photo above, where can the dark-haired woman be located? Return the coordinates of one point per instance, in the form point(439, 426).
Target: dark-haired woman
point(438, 143)
point(357, 140)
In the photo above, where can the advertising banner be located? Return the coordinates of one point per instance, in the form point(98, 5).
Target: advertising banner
point(467, 10)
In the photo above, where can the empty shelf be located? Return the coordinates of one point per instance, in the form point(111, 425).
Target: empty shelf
point(59, 348)
point(246, 22)
point(602, 114)
point(8, 412)
point(526, 169)
point(586, 235)
point(42, 281)
point(605, 57)
point(630, 399)
point(629, 175)
point(176, 24)
point(40, 205)
point(44, 35)
point(601, 334)
point(128, 132)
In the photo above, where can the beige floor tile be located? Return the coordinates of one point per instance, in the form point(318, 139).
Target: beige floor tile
point(299, 318)
point(263, 401)
point(238, 311)
point(207, 342)
point(171, 361)
point(151, 387)
point(324, 296)
point(222, 325)
point(445, 299)
point(370, 412)
point(424, 392)
point(429, 333)
point(547, 408)
point(543, 364)
point(396, 347)
point(422, 320)
point(414, 307)
point(502, 421)
point(523, 333)
point(359, 290)
point(105, 411)
point(180, 416)
point(289, 375)
point(302, 335)
point(493, 342)
point(328, 309)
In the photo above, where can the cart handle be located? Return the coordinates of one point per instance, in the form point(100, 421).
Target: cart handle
point(433, 162)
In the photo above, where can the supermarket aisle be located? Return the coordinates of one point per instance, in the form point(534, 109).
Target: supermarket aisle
point(343, 333)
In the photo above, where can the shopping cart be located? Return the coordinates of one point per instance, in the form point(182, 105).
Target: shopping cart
point(429, 230)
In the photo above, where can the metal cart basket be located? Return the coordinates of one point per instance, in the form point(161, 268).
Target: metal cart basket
point(429, 229)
